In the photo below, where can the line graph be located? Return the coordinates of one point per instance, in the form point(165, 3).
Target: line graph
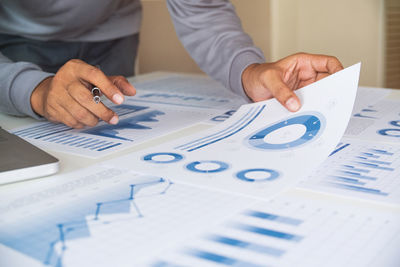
point(79, 229)
point(47, 241)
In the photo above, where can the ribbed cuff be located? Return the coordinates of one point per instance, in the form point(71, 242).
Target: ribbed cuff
point(22, 88)
point(241, 61)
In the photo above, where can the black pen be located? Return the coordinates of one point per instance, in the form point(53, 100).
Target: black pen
point(96, 93)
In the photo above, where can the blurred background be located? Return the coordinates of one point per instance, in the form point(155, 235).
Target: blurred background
point(353, 31)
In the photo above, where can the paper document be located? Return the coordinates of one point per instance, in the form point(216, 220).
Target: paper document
point(295, 231)
point(262, 148)
point(208, 198)
point(161, 106)
point(102, 216)
point(361, 169)
point(377, 119)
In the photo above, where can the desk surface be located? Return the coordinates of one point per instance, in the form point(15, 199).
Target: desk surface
point(71, 162)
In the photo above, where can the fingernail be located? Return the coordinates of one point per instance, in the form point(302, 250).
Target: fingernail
point(292, 104)
point(118, 99)
point(114, 120)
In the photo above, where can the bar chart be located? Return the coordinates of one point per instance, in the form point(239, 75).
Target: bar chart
point(293, 231)
point(360, 169)
point(137, 123)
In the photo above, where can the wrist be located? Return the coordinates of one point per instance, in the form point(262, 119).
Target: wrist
point(248, 78)
point(38, 96)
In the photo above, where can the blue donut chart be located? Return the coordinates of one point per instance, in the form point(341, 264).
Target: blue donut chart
point(193, 166)
point(271, 175)
point(175, 157)
point(390, 132)
point(313, 124)
point(395, 123)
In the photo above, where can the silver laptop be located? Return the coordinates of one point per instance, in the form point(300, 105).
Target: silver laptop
point(20, 160)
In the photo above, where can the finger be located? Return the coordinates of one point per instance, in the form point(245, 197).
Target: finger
point(80, 113)
point(322, 63)
point(319, 76)
point(97, 78)
point(123, 85)
point(65, 117)
point(274, 83)
point(83, 96)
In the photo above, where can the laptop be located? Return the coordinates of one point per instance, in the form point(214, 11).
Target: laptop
point(20, 160)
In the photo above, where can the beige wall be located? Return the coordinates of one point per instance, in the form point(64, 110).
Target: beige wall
point(351, 30)
point(160, 49)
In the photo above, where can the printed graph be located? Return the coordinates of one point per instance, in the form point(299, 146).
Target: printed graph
point(293, 231)
point(109, 217)
point(289, 133)
point(134, 123)
point(48, 242)
point(361, 169)
point(230, 130)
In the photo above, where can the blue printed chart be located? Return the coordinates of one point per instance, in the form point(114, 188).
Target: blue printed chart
point(103, 216)
point(295, 231)
point(378, 121)
point(137, 123)
point(360, 169)
point(250, 152)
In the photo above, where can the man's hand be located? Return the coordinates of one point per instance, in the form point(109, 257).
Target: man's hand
point(279, 79)
point(67, 98)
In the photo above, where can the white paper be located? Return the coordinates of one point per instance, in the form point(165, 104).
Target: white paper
point(139, 121)
point(295, 231)
point(360, 169)
point(187, 89)
point(262, 148)
point(376, 116)
point(103, 216)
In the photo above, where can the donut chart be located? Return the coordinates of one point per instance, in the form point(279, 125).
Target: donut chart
point(196, 166)
point(269, 175)
point(312, 123)
point(390, 132)
point(163, 157)
point(395, 123)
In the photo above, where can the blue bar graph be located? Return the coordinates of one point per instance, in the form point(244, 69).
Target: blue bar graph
point(347, 180)
point(374, 166)
point(247, 245)
point(380, 151)
point(375, 161)
point(267, 232)
point(358, 175)
point(360, 189)
point(273, 217)
point(220, 259)
point(356, 169)
point(370, 155)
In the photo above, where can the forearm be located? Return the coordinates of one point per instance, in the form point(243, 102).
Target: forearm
point(17, 82)
point(213, 35)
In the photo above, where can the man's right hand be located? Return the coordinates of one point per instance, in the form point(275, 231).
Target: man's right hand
point(66, 97)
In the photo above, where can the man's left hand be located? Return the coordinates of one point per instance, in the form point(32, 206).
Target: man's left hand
point(279, 79)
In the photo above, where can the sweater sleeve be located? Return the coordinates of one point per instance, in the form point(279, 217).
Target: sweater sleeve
point(17, 82)
point(212, 34)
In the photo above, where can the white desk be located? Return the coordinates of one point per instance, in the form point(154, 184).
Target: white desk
point(71, 162)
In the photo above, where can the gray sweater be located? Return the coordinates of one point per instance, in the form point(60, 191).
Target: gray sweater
point(209, 29)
